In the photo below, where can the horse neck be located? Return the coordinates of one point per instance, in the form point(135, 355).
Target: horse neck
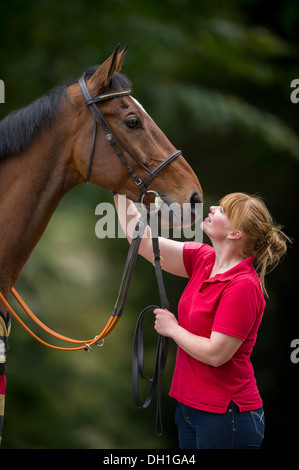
point(32, 184)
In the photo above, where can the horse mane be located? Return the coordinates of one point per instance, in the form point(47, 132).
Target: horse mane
point(20, 127)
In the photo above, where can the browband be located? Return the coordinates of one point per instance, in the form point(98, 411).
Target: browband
point(108, 96)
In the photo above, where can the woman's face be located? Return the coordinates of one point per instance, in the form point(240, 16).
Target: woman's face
point(216, 225)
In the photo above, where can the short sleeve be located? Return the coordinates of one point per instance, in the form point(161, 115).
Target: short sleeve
point(194, 254)
point(238, 309)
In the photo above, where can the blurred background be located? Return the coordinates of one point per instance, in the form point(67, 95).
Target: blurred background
point(215, 76)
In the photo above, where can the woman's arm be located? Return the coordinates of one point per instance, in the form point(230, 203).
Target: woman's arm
point(214, 351)
point(171, 251)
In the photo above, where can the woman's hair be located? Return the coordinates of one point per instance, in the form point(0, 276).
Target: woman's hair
point(262, 237)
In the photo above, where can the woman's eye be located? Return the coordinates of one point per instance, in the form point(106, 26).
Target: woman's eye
point(133, 123)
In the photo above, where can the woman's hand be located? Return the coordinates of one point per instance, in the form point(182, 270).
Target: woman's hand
point(215, 351)
point(171, 250)
point(165, 322)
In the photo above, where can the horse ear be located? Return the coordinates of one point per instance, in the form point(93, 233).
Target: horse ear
point(102, 76)
point(121, 57)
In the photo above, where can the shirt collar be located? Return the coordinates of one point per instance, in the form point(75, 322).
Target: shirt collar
point(245, 266)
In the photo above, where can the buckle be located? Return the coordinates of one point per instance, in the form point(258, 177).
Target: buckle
point(109, 137)
point(138, 181)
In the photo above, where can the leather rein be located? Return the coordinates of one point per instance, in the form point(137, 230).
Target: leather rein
point(138, 344)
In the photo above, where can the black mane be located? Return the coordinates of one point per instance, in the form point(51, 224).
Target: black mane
point(19, 128)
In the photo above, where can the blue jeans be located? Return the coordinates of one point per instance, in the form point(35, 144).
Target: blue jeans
point(233, 430)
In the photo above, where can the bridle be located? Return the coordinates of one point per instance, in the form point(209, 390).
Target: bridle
point(115, 141)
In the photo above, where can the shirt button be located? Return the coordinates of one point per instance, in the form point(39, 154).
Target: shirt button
point(230, 410)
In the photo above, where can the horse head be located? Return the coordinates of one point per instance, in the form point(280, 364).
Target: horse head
point(118, 146)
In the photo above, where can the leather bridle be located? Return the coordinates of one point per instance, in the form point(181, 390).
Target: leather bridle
point(115, 141)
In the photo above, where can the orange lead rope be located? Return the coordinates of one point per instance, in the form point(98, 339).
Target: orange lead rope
point(114, 317)
point(137, 353)
point(84, 344)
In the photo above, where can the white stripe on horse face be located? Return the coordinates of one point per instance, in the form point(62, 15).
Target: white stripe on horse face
point(138, 104)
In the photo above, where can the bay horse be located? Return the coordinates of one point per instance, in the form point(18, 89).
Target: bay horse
point(56, 143)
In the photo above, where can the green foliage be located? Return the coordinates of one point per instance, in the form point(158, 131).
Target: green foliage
point(216, 79)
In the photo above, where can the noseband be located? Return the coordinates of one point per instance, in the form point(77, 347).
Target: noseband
point(115, 141)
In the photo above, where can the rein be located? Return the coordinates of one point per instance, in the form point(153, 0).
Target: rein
point(162, 346)
point(138, 349)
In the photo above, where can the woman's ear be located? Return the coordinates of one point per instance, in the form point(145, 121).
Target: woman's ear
point(235, 235)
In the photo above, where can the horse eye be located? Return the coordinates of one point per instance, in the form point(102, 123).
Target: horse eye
point(133, 123)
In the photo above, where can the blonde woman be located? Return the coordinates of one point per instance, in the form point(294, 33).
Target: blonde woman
point(219, 313)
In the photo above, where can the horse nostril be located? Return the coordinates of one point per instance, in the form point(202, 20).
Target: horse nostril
point(195, 198)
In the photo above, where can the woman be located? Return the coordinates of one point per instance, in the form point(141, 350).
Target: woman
point(219, 313)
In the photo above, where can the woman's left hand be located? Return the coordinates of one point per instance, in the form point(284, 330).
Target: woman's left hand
point(165, 322)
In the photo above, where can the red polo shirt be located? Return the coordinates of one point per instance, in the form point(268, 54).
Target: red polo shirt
point(231, 303)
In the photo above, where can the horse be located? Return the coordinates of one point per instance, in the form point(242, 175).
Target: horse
point(88, 130)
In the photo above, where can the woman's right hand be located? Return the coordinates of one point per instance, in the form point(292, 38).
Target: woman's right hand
point(170, 250)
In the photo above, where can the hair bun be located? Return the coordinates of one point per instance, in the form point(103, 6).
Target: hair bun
point(277, 241)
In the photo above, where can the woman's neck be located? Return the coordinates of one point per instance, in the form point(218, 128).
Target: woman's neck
point(226, 257)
